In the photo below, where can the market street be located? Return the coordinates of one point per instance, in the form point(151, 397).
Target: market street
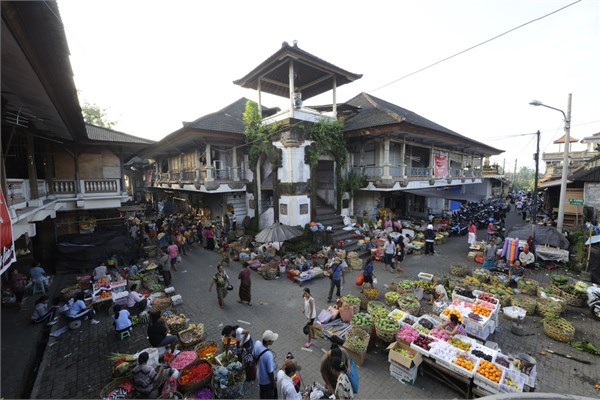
point(76, 365)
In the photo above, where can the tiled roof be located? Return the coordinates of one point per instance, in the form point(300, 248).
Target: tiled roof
point(376, 112)
point(228, 119)
point(562, 139)
point(108, 135)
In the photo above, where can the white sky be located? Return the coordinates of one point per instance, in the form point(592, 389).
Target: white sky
point(155, 64)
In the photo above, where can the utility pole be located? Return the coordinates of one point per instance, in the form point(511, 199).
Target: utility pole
point(515, 174)
point(536, 157)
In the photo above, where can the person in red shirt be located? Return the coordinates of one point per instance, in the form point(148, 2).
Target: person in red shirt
point(173, 251)
point(245, 284)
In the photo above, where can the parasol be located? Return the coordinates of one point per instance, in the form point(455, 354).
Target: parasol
point(277, 233)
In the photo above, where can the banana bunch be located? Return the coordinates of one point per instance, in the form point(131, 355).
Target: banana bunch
point(499, 290)
point(472, 280)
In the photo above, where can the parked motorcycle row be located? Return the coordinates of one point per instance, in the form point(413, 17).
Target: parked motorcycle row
point(481, 213)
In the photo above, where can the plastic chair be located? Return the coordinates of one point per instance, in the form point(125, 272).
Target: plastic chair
point(38, 288)
point(125, 334)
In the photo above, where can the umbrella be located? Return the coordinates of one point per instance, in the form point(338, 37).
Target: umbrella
point(541, 234)
point(277, 233)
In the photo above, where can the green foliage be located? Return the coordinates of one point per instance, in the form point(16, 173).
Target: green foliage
point(328, 138)
point(353, 181)
point(258, 136)
point(577, 240)
point(93, 114)
point(523, 179)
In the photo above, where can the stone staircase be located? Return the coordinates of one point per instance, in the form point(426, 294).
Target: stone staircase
point(327, 216)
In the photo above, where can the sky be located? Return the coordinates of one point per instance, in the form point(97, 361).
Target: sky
point(154, 64)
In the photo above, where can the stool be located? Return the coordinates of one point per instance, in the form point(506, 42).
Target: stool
point(38, 287)
point(125, 334)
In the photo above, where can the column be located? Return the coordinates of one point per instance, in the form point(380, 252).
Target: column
point(403, 160)
point(209, 171)
point(386, 158)
point(197, 165)
point(234, 165)
point(432, 163)
point(31, 171)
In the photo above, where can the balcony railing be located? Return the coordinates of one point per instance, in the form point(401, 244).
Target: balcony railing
point(369, 171)
point(175, 175)
point(455, 172)
point(222, 174)
point(468, 173)
point(17, 191)
point(396, 171)
point(418, 172)
point(189, 175)
point(61, 186)
point(100, 186)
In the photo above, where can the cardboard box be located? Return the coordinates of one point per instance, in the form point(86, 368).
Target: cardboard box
point(359, 359)
point(404, 375)
point(398, 358)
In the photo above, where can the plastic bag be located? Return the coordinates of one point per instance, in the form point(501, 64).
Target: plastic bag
point(360, 279)
point(353, 376)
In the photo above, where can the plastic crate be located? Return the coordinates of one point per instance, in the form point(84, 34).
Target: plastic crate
point(490, 352)
point(487, 384)
point(517, 378)
point(419, 348)
point(436, 351)
point(460, 370)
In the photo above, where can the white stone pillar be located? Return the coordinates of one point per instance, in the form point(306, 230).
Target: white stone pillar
point(209, 169)
point(234, 164)
point(403, 160)
point(386, 158)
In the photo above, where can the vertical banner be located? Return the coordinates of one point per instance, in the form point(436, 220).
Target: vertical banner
point(440, 166)
point(6, 236)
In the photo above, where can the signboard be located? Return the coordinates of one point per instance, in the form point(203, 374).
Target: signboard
point(576, 202)
point(440, 166)
point(8, 254)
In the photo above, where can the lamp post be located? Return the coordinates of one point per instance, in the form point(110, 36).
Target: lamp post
point(565, 168)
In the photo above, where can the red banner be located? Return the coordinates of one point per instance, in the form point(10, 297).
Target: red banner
point(6, 236)
point(440, 166)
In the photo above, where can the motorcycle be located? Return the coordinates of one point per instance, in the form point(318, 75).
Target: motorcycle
point(593, 294)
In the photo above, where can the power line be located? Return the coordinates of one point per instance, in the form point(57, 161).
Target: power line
point(475, 46)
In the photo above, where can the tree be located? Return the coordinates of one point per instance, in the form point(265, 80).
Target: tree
point(93, 114)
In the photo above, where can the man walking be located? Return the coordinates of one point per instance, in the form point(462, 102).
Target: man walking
point(336, 277)
point(266, 365)
point(173, 251)
point(490, 255)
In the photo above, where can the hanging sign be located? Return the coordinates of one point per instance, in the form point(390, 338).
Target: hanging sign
point(440, 166)
point(6, 236)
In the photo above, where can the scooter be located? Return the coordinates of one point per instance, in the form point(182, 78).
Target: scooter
point(593, 294)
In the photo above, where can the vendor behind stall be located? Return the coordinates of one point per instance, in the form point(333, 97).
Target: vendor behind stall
point(145, 377)
point(453, 326)
point(439, 292)
point(135, 301)
point(527, 258)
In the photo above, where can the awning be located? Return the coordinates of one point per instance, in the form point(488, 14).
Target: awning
point(446, 193)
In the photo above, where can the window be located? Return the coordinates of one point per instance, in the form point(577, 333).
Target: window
point(283, 209)
point(303, 209)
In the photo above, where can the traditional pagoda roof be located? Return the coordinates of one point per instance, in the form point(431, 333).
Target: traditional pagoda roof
point(562, 140)
point(313, 75)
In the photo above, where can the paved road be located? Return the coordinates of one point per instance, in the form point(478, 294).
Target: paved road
point(75, 364)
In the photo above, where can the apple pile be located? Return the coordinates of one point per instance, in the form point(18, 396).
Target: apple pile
point(423, 342)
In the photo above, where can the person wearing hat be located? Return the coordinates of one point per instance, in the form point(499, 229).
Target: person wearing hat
point(336, 277)
point(527, 258)
point(266, 365)
point(429, 239)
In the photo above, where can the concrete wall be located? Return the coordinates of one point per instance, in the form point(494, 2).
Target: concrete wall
point(64, 166)
point(293, 204)
point(591, 195)
point(99, 165)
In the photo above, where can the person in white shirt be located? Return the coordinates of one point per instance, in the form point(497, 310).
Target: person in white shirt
point(121, 319)
point(285, 385)
point(135, 301)
point(100, 272)
point(527, 258)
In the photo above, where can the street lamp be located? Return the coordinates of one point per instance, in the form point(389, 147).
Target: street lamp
point(565, 168)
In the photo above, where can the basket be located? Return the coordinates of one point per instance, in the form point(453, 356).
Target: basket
point(161, 304)
point(269, 274)
point(182, 367)
point(187, 338)
point(149, 280)
point(204, 344)
point(114, 384)
point(171, 395)
point(364, 303)
point(358, 348)
point(138, 283)
point(191, 395)
point(528, 286)
point(559, 279)
point(371, 293)
point(525, 302)
point(545, 306)
point(413, 307)
point(559, 329)
point(230, 392)
point(570, 299)
point(373, 305)
point(483, 275)
point(178, 326)
point(366, 328)
point(390, 301)
point(453, 282)
point(498, 278)
point(457, 269)
point(384, 334)
point(193, 386)
point(69, 292)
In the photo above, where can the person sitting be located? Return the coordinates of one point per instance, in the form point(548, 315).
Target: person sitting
point(439, 292)
point(527, 258)
point(516, 272)
point(408, 246)
point(145, 377)
point(100, 272)
point(121, 319)
point(453, 326)
point(501, 265)
point(79, 310)
point(38, 274)
point(43, 313)
point(135, 301)
point(158, 332)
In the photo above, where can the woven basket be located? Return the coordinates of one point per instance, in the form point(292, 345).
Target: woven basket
point(545, 306)
point(389, 301)
point(570, 299)
point(366, 328)
point(193, 386)
point(187, 340)
point(559, 329)
point(528, 286)
point(483, 275)
point(177, 327)
point(498, 278)
point(525, 302)
point(205, 344)
point(115, 383)
point(559, 279)
point(138, 283)
point(457, 269)
point(230, 392)
point(149, 280)
point(161, 304)
point(362, 333)
point(371, 294)
point(411, 309)
point(453, 282)
point(269, 274)
point(374, 304)
point(364, 303)
point(385, 335)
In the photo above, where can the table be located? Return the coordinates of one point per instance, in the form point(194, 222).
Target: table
point(551, 254)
